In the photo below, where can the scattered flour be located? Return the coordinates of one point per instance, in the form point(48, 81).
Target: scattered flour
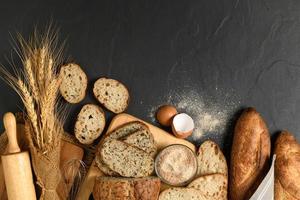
point(210, 117)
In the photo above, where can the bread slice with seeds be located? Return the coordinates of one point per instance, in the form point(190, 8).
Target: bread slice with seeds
point(74, 83)
point(182, 194)
point(126, 160)
point(120, 132)
point(142, 139)
point(213, 186)
point(211, 160)
point(90, 123)
point(112, 94)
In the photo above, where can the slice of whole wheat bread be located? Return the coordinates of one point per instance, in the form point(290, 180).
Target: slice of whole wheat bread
point(142, 139)
point(74, 83)
point(213, 186)
point(126, 160)
point(182, 194)
point(90, 123)
point(112, 94)
point(211, 160)
point(119, 132)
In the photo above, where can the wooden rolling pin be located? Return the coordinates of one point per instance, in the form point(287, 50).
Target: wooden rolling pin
point(16, 165)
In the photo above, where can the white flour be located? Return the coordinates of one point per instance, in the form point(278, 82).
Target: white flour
point(209, 116)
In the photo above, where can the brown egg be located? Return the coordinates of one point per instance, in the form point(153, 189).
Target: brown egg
point(165, 114)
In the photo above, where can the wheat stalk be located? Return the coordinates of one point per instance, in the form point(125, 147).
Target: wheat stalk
point(30, 107)
point(38, 85)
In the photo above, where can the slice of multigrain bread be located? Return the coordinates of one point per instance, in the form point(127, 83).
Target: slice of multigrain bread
point(118, 133)
point(213, 186)
point(73, 83)
point(142, 139)
point(112, 94)
point(126, 160)
point(90, 123)
point(182, 194)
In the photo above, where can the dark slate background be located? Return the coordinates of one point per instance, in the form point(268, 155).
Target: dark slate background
point(243, 51)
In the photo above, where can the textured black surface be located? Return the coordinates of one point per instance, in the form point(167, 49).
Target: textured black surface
point(239, 53)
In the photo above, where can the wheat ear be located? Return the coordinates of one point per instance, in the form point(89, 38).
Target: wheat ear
point(29, 104)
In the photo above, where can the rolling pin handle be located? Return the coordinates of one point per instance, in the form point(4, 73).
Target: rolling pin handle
point(10, 126)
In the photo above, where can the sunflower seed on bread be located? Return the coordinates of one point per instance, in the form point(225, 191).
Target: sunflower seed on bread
point(118, 133)
point(213, 186)
point(74, 83)
point(182, 194)
point(142, 139)
point(211, 160)
point(126, 160)
point(90, 123)
point(112, 94)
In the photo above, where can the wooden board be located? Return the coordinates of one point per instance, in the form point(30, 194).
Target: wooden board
point(161, 137)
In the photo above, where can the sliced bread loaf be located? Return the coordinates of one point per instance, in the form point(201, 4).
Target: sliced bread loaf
point(112, 188)
point(126, 160)
point(213, 186)
point(211, 160)
point(182, 194)
point(112, 94)
point(74, 83)
point(142, 139)
point(109, 188)
point(90, 123)
point(118, 133)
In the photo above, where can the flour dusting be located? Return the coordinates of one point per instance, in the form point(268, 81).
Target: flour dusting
point(209, 116)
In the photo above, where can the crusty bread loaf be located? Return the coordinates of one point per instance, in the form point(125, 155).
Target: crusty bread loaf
point(182, 194)
point(112, 188)
point(211, 160)
point(250, 155)
point(142, 139)
point(147, 188)
point(118, 133)
point(126, 160)
point(213, 186)
point(287, 167)
point(109, 188)
point(74, 83)
point(90, 123)
point(112, 94)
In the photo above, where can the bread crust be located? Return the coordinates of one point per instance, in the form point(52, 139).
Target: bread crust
point(250, 155)
point(287, 167)
point(111, 188)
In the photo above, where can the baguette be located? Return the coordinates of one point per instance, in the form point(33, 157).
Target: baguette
point(112, 188)
point(250, 155)
point(90, 123)
point(287, 167)
point(213, 186)
point(74, 83)
point(211, 160)
point(126, 160)
point(112, 94)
